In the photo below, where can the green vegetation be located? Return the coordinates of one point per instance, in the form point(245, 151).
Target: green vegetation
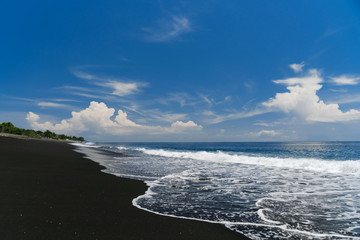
point(8, 127)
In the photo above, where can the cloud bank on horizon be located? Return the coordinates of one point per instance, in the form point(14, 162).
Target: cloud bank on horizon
point(301, 101)
point(97, 119)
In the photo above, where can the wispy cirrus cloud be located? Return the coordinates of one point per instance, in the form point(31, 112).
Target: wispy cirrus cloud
point(264, 124)
point(329, 33)
point(209, 101)
point(84, 92)
point(185, 99)
point(160, 116)
point(36, 100)
point(345, 80)
point(156, 115)
point(45, 102)
point(181, 98)
point(344, 99)
point(86, 95)
point(53, 105)
point(168, 29)
point(120, 87)
point(214, 118)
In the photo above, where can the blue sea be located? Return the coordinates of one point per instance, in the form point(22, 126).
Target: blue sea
point(304, 190)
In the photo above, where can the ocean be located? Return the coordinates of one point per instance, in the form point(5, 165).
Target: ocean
point(273, 190)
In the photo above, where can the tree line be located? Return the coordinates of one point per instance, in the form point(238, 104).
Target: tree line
point(8, 127)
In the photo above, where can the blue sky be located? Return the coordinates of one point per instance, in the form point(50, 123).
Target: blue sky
point(182, 70)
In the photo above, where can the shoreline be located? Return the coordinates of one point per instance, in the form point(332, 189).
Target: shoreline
point(50, 191)
point(24, 137)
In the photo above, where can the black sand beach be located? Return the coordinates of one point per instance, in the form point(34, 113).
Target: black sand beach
point(48, 191)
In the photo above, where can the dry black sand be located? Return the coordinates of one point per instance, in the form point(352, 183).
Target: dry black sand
point(48, 191)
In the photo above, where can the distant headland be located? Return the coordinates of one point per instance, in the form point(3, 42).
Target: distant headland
point(9, 128)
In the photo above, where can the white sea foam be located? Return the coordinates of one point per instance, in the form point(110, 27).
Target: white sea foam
point(267, 223)
point(129, 175)
point(309, 164)
point(264, 218)
point(121, 148)
point(86, 144)
point(230, 224)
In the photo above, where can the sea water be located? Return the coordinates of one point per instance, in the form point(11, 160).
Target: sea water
point(262, 190)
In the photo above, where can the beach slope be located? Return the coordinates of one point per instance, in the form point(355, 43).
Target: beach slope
point(49, 191)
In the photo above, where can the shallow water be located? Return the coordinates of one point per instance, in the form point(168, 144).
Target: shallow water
point(262, 190)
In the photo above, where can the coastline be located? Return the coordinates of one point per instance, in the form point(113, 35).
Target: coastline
point(49, 191)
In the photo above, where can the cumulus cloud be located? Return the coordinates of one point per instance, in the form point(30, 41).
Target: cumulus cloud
point(266, 133)
point(32, 117)
point(180, 124)
point(302, 99)
point(345, 80)
point(168, 30)
point(98, 118)
point(297, 67)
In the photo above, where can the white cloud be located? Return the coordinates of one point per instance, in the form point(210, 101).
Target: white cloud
point(263, 124)
point(346, 80)
point(266, 133)
point(120, 87)
point(218, 118)
point(206, 99)
point(84, 75)
point(63, 100)
point(167, 117)
point(76, 88)
point(168, 29)
point(156, 114)
point(297, 67)
point(179, 25)
point(183, 99)
point(180, 124)
point(339, 90)
point(328, 33)
point(303, 100)
point(249, 86)
point(32, 117)
point(53, 105)
point(87, 95)
point(350, 98)
point(97, 118)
